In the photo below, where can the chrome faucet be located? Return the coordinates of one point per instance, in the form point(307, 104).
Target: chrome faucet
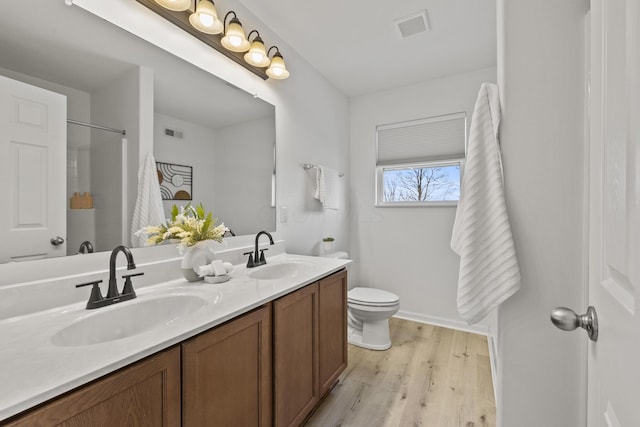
point(256, 259)
point(96, 299)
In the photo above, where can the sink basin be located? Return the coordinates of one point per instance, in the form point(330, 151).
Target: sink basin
point(279, 271)
point(126, 320)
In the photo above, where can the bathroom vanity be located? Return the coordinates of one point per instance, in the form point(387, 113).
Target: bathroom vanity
point(262, 350)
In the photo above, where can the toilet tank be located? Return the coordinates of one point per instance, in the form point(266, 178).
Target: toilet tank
point(337, 254)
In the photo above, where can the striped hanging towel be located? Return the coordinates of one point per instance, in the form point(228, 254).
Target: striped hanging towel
point(489, 272)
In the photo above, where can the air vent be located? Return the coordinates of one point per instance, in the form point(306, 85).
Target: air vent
point(173, 133)
point(410, 25)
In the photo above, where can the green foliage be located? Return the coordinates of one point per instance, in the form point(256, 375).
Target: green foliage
point(189, 225)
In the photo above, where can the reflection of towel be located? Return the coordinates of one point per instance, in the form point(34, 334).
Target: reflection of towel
point(148, 209)
point(489, 272)
point(327, 187)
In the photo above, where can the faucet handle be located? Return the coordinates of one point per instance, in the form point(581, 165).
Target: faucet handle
point(262, 260)
point(96, 295)
point(127, 289)
point(250, 263)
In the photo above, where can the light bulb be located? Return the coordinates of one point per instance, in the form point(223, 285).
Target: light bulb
point(175, 5)
point(206, 20)
point(277, 69)
point(235, 40)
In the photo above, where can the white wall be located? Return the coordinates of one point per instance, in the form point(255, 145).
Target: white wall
point(541, 76)
point(407, 250)
point(232, 169)
point(195, 149)
point(244, 164)
point(123, 104)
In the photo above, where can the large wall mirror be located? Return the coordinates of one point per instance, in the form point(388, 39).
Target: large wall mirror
point(217, 142)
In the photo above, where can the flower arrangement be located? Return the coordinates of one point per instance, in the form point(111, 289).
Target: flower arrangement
point(189, 225)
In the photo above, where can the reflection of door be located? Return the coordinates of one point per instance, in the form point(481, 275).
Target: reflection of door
point(614, 276)
point(33, 136)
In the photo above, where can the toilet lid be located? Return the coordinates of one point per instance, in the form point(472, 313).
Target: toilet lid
point(372, 296)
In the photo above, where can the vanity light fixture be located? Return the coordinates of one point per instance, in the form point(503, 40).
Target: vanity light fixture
point(257, 55)
point(205, 18)
point(200, 19)
point(234, 38)
point(277, 70)
point(175, 5)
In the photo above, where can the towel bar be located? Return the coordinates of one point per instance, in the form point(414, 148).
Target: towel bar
point(308, 166)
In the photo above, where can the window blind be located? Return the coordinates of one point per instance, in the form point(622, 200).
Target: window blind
point(433, 138)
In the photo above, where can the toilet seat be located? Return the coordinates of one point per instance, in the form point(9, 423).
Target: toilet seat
point(372, 297)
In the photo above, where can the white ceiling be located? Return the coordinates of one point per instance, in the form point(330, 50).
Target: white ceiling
point(356, 45)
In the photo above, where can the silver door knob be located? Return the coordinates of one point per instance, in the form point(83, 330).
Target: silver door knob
point(567, 320)
point(56, 241)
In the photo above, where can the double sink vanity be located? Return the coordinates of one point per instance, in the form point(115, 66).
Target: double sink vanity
point(260, 349)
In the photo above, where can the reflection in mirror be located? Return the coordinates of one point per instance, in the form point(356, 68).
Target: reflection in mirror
point(184, 115)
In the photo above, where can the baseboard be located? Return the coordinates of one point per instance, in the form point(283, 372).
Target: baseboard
point(493, 361)
point(445, 323)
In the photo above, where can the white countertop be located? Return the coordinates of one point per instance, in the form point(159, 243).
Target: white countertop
point(33, 369)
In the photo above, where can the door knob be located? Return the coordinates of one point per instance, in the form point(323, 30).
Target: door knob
point(56, 241)
point(567, 320)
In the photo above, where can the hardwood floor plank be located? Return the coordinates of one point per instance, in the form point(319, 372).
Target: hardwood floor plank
point(431, 376)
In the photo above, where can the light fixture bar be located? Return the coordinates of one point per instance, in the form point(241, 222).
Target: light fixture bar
point(181, 20)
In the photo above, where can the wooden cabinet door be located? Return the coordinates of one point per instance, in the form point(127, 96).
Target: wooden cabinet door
point(332, 329)
point(144, 394)
point(295, 329)
point(226, 374)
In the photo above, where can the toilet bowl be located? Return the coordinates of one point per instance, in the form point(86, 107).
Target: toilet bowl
point(368, 311)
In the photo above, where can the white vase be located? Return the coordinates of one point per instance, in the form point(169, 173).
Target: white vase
point(328, 247)
point(194, 257)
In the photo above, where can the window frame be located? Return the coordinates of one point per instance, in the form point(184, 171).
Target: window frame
point(423, 163)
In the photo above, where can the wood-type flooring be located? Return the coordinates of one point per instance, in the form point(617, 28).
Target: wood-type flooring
point(431, 376)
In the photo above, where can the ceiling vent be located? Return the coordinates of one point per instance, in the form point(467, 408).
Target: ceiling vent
point(410, 25)
point(173, 133)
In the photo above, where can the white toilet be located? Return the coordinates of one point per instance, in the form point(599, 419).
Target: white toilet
point(369, 310)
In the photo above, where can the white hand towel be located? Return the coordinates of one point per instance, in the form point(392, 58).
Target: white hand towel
point(489, 272)
point(148, 209)
point(328, 187)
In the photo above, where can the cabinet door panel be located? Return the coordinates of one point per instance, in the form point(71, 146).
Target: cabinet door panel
point(332, 329)
point(296, 388)
point(145, 394)
point(227, 374)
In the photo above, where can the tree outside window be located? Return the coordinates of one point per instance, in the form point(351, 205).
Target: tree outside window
point(422, 183)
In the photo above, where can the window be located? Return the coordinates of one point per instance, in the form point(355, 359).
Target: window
point(419, 162)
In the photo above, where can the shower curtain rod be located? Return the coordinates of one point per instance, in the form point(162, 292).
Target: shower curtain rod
point(75, 122)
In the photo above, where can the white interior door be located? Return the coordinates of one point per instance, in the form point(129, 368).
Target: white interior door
point(33, 138)
point(614, 271)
